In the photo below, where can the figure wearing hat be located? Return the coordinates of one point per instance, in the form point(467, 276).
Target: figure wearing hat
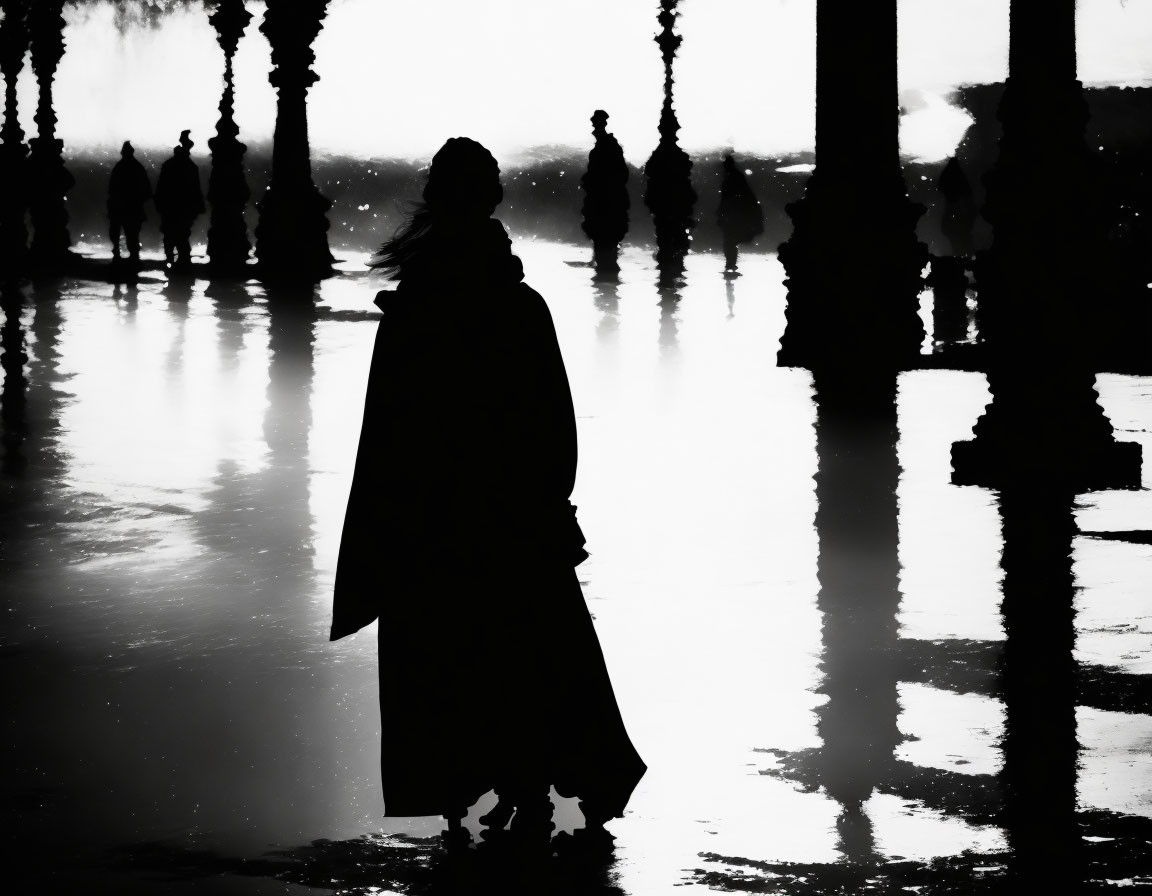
point(179, 200)
point(128, 190)
point(606, 200)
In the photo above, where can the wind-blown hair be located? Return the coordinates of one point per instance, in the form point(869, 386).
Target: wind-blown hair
point(395, 255)
point(463, 187)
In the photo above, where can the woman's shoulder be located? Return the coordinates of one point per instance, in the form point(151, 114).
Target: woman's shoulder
point(529, 304)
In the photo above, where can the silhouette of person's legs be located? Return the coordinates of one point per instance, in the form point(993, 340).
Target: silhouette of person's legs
point(533, 819)
point(132, 240)
point(500, 814)
point(457, 835)
point(180, 237)
point(114, 235)
point(731, 251)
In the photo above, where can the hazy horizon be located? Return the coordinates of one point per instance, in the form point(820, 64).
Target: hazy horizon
point(532, 75)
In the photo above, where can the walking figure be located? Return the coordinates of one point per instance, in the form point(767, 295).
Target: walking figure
point(606, 200)
point(128, 189)
point(460, 538)
point(740, 217)
point(179, 200)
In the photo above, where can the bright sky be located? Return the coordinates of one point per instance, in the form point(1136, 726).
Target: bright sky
point(399, 78)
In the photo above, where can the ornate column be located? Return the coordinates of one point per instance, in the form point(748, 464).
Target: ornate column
point(292, 235)
point(49, 181)
point(669, 194)
point(228, 193)
point(853, 260)
point(1039, 282)
point(13, 152)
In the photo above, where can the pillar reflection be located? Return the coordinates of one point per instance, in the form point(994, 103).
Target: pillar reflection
point(856, 520)
point(13, 396)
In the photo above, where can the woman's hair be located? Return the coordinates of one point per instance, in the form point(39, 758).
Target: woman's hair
point(463, 183)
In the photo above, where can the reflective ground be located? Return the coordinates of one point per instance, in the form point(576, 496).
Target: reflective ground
point(802, 621)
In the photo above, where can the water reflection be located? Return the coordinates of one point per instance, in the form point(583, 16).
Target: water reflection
point(1039, 685)
point(859, 596)
point(607, 289)
point(670, 292)
point(169, 551)
point(13, 397)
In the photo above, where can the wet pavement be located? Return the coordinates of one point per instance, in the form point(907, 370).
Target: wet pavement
point(802, 618)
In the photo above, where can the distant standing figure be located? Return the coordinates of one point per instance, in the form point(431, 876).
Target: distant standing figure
point(460, 538)
point(740, 217)
point(606, 200)
point(179, 200)
point(128, 190)
point(959, 208)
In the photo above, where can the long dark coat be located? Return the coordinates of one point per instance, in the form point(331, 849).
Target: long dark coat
point(459, 537)
point(128, 190)
point(740, 216)
point(179, 198)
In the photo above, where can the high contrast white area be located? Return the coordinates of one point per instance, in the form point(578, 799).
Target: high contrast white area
point(397, 79)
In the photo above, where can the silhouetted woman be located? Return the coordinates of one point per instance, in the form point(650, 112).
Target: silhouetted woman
point(459, 535)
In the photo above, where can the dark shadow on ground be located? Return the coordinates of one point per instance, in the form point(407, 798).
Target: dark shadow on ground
point(1116, 849)
point(372, 862)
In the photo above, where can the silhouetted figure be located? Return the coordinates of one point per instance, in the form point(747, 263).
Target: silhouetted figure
point(460, 538)
point(606, 202)
point(959, 207)
point(128, 189)
point(669, 195)
point(740, 217)
point(179, 200)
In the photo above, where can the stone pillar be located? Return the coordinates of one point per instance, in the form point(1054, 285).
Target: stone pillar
point(13, 151)
point(49, 181)
point(669, 194)
point(853, 261)
point(1044, 438)
point(292, 234)
point(1039, 282)
point(228, 193)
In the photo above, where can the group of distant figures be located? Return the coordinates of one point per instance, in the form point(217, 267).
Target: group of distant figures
point(606, 202)
point(178, 199)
